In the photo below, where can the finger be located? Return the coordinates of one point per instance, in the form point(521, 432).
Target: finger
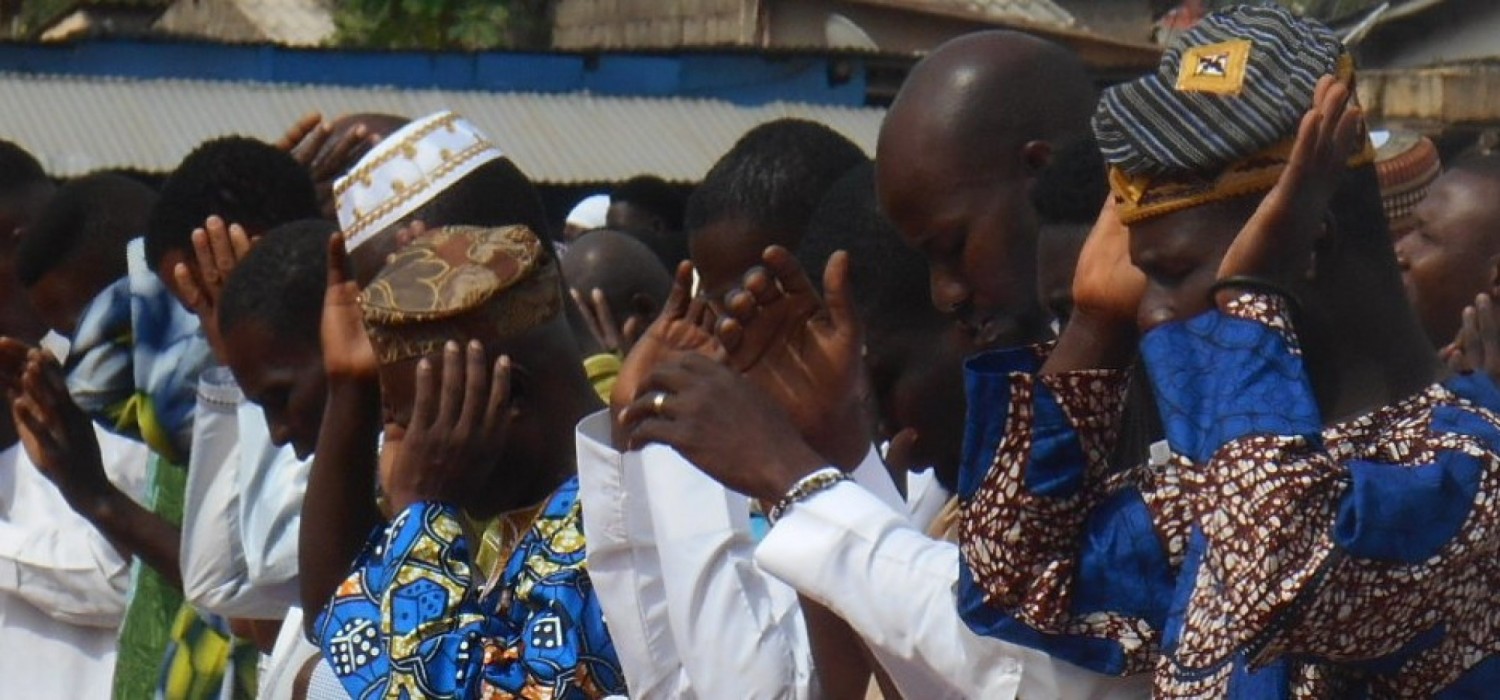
point(452, 384)
point(587, 312)
point(1489, 343)
point(700, 314)
point(476, 387)
point(680, 299)
point(203, 251)
point(192, 296)
point(840, 301)
point(12, 359)
point(239, 242)
point(497, 412)
point(221, 248)
point(312, 144)
point(337, 260)
point(657, 430)
point(731, 335)
point(902, 451)
point(32, 421)
point(762, 286)
point(298, 130)
point(606, 319)
point(331, 160)
point(1468, 339)
point(631, 331)
point(424, 408)
point(741, 305)
point(789, 274)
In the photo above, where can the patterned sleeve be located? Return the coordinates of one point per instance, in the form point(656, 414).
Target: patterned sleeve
point(410, 622)
point(1362, 542)
point(1061, 551)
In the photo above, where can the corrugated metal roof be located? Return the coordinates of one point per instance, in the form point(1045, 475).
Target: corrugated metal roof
point(77, 125)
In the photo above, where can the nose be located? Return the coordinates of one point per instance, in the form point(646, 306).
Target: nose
point(949, 292)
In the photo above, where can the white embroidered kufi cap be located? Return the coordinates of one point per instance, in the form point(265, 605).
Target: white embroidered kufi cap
point(406, 170)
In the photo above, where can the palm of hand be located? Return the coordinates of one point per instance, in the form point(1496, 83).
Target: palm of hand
point(347, 352)
point(801, 352)
point(1277, 242)
point(682, 328)
point(1106, 283)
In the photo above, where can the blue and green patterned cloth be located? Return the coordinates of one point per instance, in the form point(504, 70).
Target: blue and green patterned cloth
point(413, 620)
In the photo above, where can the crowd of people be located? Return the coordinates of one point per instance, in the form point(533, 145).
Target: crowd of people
point(1184, 389)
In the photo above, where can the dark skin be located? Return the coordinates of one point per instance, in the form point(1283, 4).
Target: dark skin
point(723, 251)
point(341, 485)
point(18, 210)
point(917, 380)
point(617, 284)
point(958, 153)
point(428, 457)
point(1362, 343)
point(59, 439)
point(1057, 259)
point(282, 375)
point(1453, 251)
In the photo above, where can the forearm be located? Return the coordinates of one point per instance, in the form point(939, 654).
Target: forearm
point(1092, 342)
point(137, 530)
point(339, 509)
point(844, 668)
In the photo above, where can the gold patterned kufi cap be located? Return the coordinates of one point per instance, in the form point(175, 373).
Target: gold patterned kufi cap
point(405, 171)
point(460, 283)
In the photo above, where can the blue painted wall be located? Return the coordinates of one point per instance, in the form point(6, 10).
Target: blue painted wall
point(740, 77)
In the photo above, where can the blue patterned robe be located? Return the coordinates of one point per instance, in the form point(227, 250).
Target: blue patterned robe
point(411, 621)
point(1266, 556)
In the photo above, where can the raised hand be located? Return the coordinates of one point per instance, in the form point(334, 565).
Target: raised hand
point(298, 133)
point(218, 249)
point(348, 355)
point(1106, 285)
point(1477, 347)
point(611, 336)
point(458, 426)
point(802, 352)
point(56, 434)
point(308, 142)
point(722, 423)
point(1276, 244)
point(685, 326)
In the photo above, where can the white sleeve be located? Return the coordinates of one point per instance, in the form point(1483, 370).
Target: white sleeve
point(623, 564)
point(740, 632)
point(52, 557)
point(215, 575)
point(671, 559)
point(894, 586)
point(271, 489)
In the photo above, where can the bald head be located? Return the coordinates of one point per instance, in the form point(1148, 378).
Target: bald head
point(974, 125)
point(620, 265)
point(984, 94)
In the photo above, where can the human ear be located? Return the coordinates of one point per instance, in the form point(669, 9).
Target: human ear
point(1036, 155)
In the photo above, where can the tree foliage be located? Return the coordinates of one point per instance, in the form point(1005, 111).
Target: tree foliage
point(443, 24)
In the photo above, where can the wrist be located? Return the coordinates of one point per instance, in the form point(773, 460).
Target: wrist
point(788, 469)
point(98, 506)
point(843, 440)
point(1093, 341)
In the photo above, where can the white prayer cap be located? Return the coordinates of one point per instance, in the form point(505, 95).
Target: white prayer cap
point(406, 170)
point(590, 213)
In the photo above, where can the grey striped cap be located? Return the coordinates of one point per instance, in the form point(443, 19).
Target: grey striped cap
point(1151, 127)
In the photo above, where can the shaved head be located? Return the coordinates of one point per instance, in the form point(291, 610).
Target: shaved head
point(981, 96)
point(625, 269)
point(974, 125)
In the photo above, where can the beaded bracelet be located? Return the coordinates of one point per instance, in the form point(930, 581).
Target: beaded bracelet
point(805, 488)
